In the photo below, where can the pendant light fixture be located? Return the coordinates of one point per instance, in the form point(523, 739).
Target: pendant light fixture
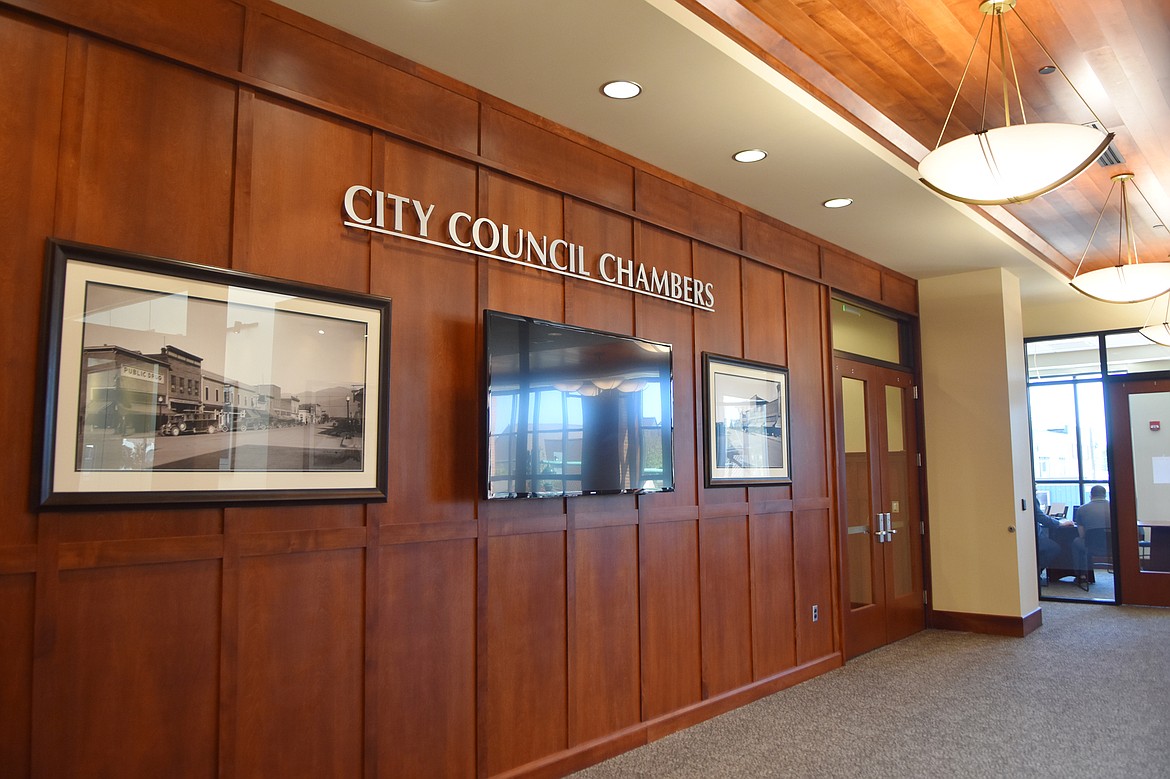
point(1159, 334)
point(1018, 161)
point(1130, 280)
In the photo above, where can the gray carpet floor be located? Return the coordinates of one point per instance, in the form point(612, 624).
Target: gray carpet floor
point(1086, 695)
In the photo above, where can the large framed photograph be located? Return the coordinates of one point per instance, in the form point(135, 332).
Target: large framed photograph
point(745, 414)
point(169, 382)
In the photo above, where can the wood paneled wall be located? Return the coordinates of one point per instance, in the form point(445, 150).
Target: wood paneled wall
point(433, 634)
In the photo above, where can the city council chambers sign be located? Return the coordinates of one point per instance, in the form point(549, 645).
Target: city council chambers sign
point(381, 212)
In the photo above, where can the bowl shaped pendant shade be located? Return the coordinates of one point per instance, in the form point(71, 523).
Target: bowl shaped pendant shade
point(1011, 164)
point(1159, 334)
point(1126, 283)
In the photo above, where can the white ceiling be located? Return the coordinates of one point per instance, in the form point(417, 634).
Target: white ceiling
point(704, 98)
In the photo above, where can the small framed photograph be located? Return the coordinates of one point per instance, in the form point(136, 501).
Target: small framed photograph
point(172, 383)
point(745, 412)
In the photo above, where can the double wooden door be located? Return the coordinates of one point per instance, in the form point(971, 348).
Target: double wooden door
point(879, 505)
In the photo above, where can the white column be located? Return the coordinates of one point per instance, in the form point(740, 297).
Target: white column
point(979, 476)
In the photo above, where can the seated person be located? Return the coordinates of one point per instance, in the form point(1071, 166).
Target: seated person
point(1046, 548)
point(1094, 515)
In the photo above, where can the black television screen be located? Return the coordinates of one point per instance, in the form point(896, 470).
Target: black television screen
point(572, 411)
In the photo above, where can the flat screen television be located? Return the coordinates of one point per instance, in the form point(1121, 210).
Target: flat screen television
point(573, 411)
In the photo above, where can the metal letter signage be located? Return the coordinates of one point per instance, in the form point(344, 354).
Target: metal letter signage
point(381, 212)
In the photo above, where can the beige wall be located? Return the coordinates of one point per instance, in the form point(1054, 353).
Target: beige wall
point(977, 452)
point(1070, 312)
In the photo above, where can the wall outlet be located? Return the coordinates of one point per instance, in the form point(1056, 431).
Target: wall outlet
point(816, 613)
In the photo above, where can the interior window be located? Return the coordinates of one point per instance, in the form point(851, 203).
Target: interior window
point(861, 331)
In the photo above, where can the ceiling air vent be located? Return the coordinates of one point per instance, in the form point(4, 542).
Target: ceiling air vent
point(1110, 156)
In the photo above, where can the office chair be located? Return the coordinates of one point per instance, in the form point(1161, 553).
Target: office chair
point(1144, 545)
point(1099, 546)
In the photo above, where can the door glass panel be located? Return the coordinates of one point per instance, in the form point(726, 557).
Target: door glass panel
point(1148, 413)
point(857, 492)
point(899, 470)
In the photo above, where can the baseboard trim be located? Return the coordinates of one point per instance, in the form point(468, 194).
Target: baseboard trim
point(992, 624)
point(584, 755)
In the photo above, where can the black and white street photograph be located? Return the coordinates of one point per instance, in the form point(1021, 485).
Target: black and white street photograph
point(169, 381)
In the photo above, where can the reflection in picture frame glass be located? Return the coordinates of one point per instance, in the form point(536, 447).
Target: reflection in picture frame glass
point(746, 438)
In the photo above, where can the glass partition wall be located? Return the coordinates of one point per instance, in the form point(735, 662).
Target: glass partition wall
point(1070, 444)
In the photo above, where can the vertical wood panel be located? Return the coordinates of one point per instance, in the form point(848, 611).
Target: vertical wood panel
point(426, 660)
point(806, 361)
point(16, 662)
point(773, 610)
point(527, 679)
point(33, 62)
point(669, 588)
point(302, 163)
point(300, 665)
point(434, 360)
point(720, 330)
point(605, 670)
point(517, 205)
point(133, 682)
point(726, 605)
point(812, 549)
point(594, 305)
point(765, 332)
point(154, 159)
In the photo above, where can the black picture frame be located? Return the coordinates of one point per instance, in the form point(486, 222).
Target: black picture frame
point(172, 383)
point(746, 426)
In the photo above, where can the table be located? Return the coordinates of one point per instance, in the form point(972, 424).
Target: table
point(1065, 562)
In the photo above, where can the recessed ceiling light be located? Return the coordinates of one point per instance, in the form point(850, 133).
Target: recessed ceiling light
point(1047, 70)
point(621, 90)
point(750, 155)
point(838, 202)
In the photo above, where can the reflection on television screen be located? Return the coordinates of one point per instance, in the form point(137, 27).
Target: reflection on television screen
point(573, 411)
